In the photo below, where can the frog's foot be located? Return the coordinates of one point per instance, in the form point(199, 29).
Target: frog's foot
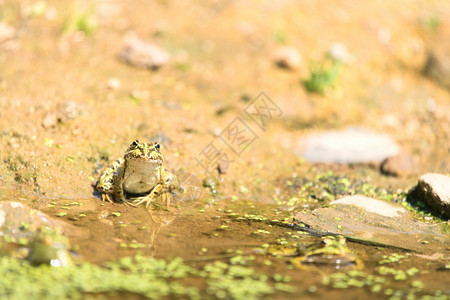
point(127, 204)
point(147, 200)
point(152, 196)
point(107, 198)
point(167, 197)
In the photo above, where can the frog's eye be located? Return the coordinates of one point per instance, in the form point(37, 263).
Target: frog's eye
point(157, 146)
point(135, 143)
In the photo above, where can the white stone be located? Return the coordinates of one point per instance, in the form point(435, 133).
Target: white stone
point(339, 52)
point(434, 190)
point(6, 32)
point(440, 185)
point(288, 57)
point(371, 205)
point(353, 145)
point(114, 83)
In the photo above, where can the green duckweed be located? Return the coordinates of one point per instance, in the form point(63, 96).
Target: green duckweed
point(147, 277)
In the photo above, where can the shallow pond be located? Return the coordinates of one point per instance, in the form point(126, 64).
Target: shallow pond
point(211, 247)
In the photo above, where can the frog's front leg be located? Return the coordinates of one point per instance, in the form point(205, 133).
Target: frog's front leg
point(108, 179)
point(119, 195)
point(152, 196)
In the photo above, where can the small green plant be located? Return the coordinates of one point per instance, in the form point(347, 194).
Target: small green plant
point(81, 22)
point(432, 22)
point(322, 76)
point(281, 37)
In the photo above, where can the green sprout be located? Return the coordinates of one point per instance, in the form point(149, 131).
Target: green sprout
point(322, 76)
point(81, 22)
point(432, 22)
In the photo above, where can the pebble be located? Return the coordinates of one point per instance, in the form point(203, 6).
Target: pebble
point(399, 165)
point(288, 57)
point(6, 32)
point(222, 167)
point(70, 110)
point(50, 120)
point(62, 113)
point(114, 83)
point(434, 190)
point(352, 145)
point(142, 54)
point(339, 52)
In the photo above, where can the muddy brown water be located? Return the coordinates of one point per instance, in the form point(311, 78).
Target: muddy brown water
point(205, 230)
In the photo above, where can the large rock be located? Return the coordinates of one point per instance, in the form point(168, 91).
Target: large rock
point(20, 221)
point(401, 164)
point(434, 190)
point(374, 222)
point(353, 145)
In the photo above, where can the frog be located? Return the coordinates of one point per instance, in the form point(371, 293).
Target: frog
point(138, 177)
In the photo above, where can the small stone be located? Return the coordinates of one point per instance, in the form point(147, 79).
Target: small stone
point(339, 52)
point(50, 120)
point(6, 32)
point(69, 110)
point(288, 57)
point(434, 190)
point(142, 54)
point(353, 145)
point(401, 164)
point(222, 167)
point(114, 83)
point(62, 113)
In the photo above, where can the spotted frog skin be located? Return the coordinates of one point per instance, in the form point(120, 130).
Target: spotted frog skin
point(139, 177)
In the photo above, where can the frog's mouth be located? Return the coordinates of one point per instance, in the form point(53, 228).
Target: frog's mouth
point(146, 160)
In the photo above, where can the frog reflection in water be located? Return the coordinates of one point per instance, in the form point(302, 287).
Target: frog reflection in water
point(139, 177)
point(330, 251)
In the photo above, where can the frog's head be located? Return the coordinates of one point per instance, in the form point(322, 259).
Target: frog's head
point(149, 152)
